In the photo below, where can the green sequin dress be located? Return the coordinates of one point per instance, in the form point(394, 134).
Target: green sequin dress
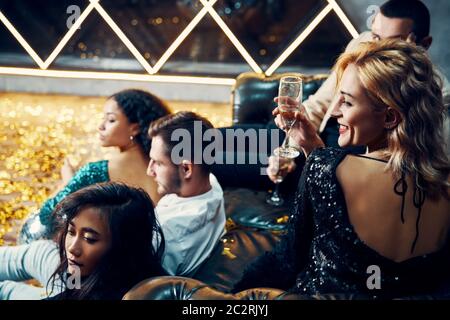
point(38, 225)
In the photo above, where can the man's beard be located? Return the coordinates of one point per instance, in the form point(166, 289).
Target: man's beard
point(172, 186)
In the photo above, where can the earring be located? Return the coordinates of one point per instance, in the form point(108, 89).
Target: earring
point(390, 126)
point(131, 138)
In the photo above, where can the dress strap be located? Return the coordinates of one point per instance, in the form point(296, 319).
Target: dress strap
point(418, 201)
point(400, 188)
point(363, 156)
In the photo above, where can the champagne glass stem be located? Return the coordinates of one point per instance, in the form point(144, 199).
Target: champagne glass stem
point(286, 139)
point(276, 191)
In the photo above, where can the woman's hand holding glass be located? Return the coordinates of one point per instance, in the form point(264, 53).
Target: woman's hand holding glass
point(302, 132)
point(290, 94)
point(278, 168)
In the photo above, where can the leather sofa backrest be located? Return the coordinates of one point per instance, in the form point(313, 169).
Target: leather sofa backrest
point(243, 163)
point(253, 93)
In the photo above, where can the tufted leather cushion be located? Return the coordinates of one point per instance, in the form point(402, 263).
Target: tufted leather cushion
point(237, 249)
point(253, 93)
point(174, 288)
point(243, 172)
point(248, 207)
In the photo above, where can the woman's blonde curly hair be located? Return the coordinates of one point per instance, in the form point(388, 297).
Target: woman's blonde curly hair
point(400, 75)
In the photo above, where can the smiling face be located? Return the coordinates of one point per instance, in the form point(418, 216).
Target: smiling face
point(115, 130)
point(390, 28)
point(360, 123)
point(87, 241)
point(164, 171)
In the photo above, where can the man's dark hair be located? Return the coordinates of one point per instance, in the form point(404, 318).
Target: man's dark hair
point(410, 9)
point(165, 126)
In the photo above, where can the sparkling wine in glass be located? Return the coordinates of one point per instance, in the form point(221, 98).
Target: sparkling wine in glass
point(289, 98)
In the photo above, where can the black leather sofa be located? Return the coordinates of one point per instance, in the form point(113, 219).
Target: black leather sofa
point(253, 226)
point(253, 93)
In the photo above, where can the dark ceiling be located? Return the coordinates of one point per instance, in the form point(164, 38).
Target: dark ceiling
point(264, 27)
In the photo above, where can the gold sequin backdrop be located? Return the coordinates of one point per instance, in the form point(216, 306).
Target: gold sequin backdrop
point(38, 131)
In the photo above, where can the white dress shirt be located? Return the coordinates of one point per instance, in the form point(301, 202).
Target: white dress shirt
point(192, 227)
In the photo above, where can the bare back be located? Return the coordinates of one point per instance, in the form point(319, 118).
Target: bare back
point(131, 169)
point(374, 210)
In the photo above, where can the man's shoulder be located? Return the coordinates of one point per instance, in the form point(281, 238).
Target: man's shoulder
point(173, 207)
point(363, 37)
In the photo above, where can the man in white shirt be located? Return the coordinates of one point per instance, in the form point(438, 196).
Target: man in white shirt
point(191, 211)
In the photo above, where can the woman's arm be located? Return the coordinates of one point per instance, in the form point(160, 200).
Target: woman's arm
point(67, 171)
point(37, 260)
point(89, 174)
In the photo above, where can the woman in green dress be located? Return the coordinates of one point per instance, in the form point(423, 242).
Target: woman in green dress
point(127, 116)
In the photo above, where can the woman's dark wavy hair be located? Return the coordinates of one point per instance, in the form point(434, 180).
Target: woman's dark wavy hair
point(137, 241)
point(143, 108)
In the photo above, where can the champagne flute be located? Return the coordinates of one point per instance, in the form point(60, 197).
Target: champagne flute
point(280, 172)
point(289, 97)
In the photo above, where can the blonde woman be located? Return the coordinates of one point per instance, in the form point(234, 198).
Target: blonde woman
point(376, 223)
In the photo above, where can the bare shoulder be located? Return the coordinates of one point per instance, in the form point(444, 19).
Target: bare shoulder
point(125, 168)
point(358, 172)
point(114, 164)
point(350, 166)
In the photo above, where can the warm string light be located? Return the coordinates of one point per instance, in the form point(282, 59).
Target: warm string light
point(208, 7)
point(122, 37)
point(296, 43)
point(44, 64)
point(343, 17)
point(248, 58)
point(116, 76)
point(166, 55)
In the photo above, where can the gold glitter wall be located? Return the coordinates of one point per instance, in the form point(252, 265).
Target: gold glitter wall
point(38, 131)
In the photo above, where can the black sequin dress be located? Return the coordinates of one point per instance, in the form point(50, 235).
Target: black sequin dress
point(321, 252)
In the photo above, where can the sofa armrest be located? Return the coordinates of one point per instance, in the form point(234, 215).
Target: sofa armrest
point(174, 288)
point(181, 288)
